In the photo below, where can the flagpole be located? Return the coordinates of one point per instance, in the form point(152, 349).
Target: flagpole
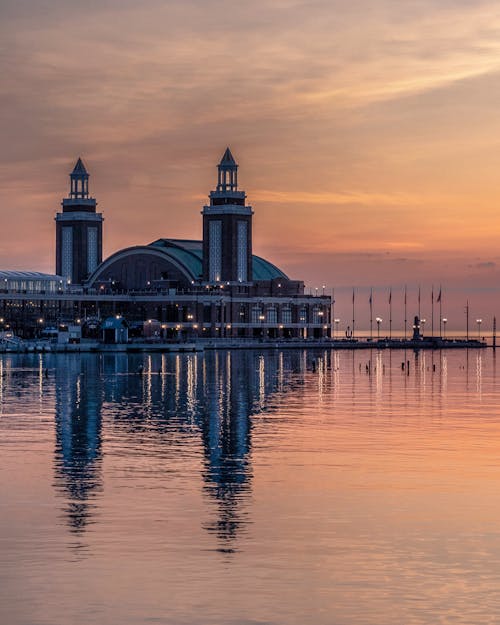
point(332, 315)
point(390, 313)
point(371, 313)
point(352, 331)
point(467, 319)
point(440, 310)
point(432, 311)
point(419, 303)
point(405, 313)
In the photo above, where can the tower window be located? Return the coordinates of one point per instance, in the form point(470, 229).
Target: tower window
point(67, 252)
point(214, 250)
point(242, 251)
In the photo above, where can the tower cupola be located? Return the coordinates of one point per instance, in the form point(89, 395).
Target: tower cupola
point(79, 181)
point(228, 173)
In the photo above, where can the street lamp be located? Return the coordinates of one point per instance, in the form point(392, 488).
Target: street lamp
point(379, 321)
point(444, 327)
point(479, 322)
point(422, 323)
point(335, 326)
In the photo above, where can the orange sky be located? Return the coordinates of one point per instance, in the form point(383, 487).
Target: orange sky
point(367, 133)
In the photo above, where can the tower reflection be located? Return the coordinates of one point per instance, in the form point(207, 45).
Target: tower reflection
point(179, 403)
point(78, 450)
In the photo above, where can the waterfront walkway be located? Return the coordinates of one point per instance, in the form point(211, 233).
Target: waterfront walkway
point(41, 346)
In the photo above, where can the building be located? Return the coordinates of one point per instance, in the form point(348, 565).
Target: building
point(214, 287)
point(78, 230)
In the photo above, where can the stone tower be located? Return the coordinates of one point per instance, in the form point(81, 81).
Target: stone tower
point(227, 229)
point(78, 230)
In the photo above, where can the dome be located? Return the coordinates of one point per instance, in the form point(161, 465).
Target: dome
point(177, 260)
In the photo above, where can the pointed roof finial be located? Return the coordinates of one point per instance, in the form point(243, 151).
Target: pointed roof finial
point(228, 159)
point(79, 167)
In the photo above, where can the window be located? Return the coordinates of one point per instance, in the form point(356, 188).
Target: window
point(214, 250)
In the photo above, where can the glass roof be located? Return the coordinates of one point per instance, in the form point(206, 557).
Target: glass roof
point(28, 275)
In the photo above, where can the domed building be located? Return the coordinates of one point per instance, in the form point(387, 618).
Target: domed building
point(215, 287)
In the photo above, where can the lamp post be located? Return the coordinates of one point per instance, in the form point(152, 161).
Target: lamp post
point(479, 322)
point(379, 321)
point(444, 327)
point(422, 323)
point(335, 326)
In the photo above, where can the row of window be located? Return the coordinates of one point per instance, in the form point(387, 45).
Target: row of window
point(30, 286)
point(270, 315)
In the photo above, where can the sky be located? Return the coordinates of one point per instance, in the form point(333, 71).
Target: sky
point(367, 133)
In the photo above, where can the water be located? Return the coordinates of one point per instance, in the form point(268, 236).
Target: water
point(250, 488)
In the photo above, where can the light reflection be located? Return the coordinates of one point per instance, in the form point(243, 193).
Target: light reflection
point(479, 374)
point(210, 402)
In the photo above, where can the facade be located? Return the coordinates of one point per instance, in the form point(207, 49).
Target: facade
point(211, 288)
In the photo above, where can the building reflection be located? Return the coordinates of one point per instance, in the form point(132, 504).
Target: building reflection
point(78, 450)
point(179, 402)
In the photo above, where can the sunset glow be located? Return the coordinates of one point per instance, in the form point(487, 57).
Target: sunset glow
point(367, 134)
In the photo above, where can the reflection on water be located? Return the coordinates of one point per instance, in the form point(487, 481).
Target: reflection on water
point(78, 451)
point(285, 486)
point(209, 397)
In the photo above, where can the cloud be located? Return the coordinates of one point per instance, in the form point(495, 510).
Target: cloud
point(483, 265)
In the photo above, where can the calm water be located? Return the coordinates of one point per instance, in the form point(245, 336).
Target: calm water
point(247, 488)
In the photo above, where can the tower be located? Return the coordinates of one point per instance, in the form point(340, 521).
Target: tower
point(78, 230)
point(227, 228)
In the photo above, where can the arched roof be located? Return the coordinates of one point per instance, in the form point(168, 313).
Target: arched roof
point(187, 256)
point(190, 254)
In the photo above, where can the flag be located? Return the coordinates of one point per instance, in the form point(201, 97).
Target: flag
point(439, 296)
point(390, 295)
point(353, 296)
point(371, 296)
